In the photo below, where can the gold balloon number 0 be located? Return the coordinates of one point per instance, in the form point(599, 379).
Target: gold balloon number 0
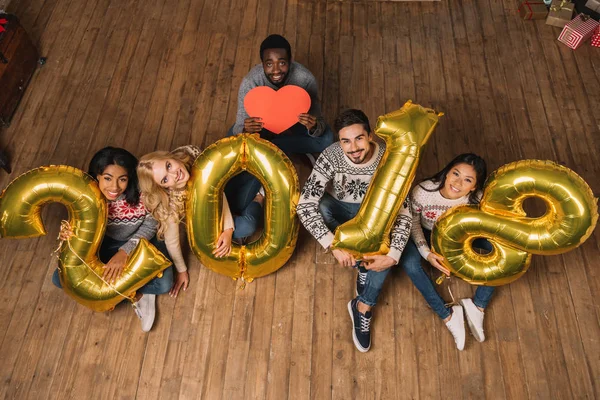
point(570, 217)
point(211, 171)
point(20, 208)
point(405, 132)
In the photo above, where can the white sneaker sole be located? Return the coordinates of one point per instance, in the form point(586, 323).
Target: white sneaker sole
point(354, 338)
point(479, 337)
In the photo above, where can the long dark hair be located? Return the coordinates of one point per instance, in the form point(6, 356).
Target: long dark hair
point(471, 159)
point(121, 157)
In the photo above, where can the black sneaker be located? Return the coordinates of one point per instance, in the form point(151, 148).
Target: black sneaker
point(361, 327)
point(361, 281)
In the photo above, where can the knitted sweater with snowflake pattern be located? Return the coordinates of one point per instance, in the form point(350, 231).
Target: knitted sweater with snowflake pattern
point(129, 223)
point(426, 206)
point(349, 184)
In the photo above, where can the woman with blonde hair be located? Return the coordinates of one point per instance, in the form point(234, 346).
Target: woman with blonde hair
point(163, 178)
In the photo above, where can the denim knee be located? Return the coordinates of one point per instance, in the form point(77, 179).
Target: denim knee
point(159, 285)
point(56, 279)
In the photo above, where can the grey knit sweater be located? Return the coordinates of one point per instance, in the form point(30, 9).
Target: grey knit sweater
point(298, 75)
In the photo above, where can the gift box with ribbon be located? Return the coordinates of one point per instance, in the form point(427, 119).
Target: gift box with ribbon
point(533, 9)
point(596, 37)
point(593, 5)
point(561, 12)
point(580, 29)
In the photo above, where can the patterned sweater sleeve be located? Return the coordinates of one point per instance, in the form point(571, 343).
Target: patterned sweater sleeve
point(147, 231)
point(400, 234)
point(416, 233)
point(312, 192)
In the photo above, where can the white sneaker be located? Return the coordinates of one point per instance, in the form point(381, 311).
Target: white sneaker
point(474, 318)
point(456, 325)
point(145, 309)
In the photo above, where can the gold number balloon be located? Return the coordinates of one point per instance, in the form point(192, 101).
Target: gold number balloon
point(20, 207)
point(211, 171)
point(405, 132)
point(570, 217)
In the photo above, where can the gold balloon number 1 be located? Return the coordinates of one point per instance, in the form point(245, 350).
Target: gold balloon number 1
point(80, 268)
point(405, 132)
point(570, 217)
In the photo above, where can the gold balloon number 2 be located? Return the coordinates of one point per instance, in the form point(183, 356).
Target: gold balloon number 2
point(570, 217)
point(80, 268)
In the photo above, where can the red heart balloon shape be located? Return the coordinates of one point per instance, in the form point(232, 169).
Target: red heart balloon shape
point(279, 109)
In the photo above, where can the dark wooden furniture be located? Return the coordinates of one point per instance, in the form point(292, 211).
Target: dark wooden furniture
point(18, 61)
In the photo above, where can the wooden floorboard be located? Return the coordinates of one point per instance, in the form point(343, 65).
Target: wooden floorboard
point(159, 74)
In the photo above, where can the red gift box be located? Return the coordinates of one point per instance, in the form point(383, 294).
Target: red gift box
point(580, 29)
point(596, 38)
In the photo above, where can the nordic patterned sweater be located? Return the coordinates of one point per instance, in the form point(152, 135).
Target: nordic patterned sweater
point(298, 75)
point(350, 182)
point(427, 205)
point(129, 223)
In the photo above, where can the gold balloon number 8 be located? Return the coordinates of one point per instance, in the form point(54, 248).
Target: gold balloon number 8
point(570, 217)
point(211, 171)
point(80, 268)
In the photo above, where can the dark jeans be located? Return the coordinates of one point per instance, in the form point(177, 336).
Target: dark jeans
point(337, 212)
point(296, 139)
point(110, 247)
point(242, 188)
point(411, 262)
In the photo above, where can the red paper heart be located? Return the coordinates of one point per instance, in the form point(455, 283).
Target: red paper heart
point(279, 109)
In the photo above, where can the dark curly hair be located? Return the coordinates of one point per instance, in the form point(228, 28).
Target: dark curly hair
point(121, 157)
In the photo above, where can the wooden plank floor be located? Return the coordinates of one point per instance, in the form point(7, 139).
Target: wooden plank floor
point(157, 74)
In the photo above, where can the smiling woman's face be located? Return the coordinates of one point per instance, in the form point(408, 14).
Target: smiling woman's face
point(170, 174)
point(460, 181)
point(113, 181)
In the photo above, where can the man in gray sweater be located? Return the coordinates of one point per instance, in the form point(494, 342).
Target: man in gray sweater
point(310, 134)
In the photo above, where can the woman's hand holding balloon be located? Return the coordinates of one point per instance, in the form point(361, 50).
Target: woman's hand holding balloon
point(436, 261)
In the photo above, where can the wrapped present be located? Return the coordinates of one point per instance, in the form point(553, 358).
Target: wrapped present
point(580, 29)
point(596, 37)
point(593, 5)
point(533, 9)
point(561, 12)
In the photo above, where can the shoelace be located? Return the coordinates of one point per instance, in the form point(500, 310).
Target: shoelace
point(365, 323)
point(362, 278)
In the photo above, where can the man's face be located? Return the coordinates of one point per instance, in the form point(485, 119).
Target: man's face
point(356, 143)
point(276, 65)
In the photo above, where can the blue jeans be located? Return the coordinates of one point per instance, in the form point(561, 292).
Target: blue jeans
point(248, 215)
point(411, 262)
point(296, 139)
point(110, 247)
point(242, 188)
point(337, 212)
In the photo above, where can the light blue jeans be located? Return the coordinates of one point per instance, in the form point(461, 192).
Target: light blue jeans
point(411, 262)
point(335, 213)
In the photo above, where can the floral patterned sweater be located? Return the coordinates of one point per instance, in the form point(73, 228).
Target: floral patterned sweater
point(427, 205)
point(349, 184)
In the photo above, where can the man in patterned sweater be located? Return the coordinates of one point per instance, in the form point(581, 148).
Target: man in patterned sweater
point(349, 165)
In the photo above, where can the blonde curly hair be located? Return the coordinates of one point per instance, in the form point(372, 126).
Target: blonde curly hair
point(163, 204)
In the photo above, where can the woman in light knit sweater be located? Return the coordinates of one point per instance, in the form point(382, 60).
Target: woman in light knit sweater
point(460, 182)
point(128, 222)
point(163, 179)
